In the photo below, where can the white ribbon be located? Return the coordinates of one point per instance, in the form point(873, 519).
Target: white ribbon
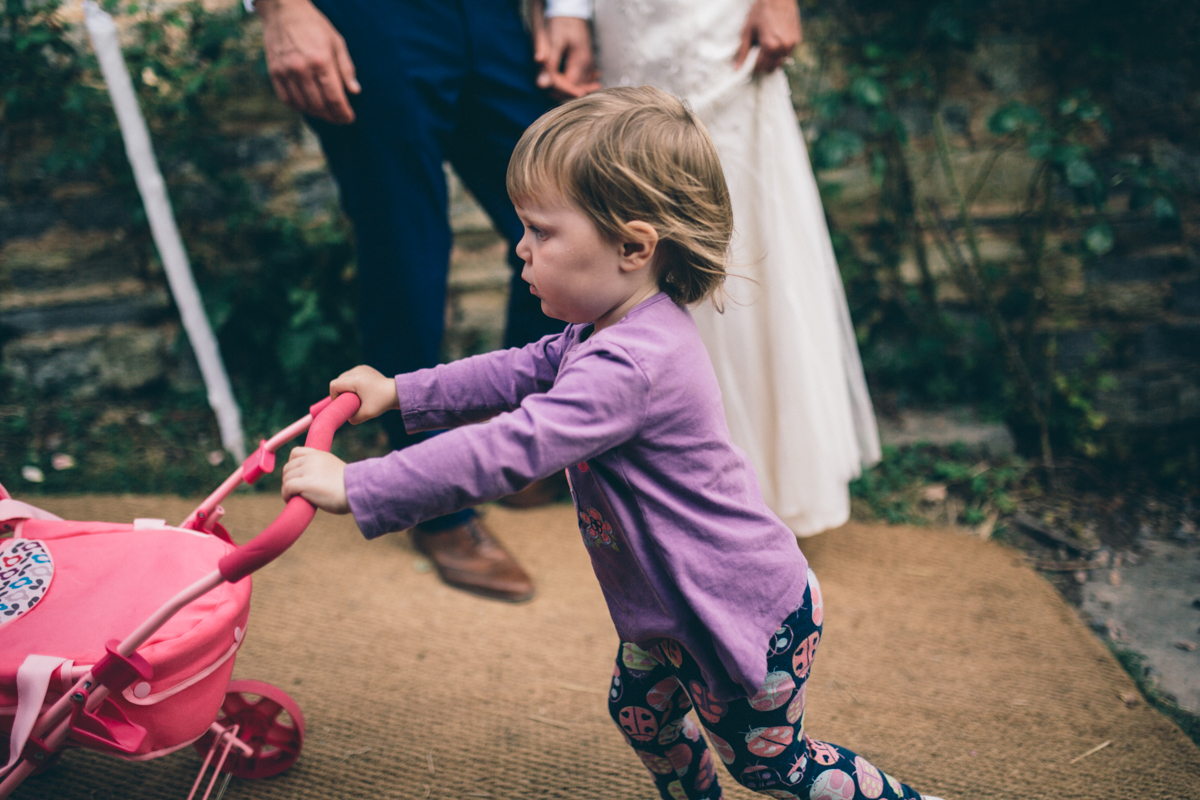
point(103, 32)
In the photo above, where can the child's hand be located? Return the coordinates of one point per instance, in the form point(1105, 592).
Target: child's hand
point(376, 391)
point(318, 477)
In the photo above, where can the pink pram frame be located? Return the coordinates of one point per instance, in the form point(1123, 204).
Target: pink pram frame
point(78, 716)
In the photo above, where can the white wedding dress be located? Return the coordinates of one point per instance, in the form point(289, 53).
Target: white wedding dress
point(784, 350)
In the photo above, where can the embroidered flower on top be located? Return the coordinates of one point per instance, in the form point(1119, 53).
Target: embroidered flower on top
point(596, 531)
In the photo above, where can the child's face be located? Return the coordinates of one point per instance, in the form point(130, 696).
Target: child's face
point(580, 275)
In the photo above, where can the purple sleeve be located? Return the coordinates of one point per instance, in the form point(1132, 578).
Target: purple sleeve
point(479, 387)
point(598, 402)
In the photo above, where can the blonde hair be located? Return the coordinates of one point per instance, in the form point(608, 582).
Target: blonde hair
point(635, 153)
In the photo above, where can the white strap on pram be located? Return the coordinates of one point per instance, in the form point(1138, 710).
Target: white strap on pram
point(33, 681)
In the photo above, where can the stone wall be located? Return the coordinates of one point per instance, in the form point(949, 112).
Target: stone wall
point(84, 312)
point(1135, 311)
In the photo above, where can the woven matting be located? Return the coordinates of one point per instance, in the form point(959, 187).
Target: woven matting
point(945, 661)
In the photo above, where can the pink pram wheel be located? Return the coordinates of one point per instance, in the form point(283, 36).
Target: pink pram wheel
point(268, 720)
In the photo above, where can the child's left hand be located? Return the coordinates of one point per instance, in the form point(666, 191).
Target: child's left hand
point(318, 477)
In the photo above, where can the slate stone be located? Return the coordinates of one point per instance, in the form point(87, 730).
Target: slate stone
point(1119, 269)
point(1187, 297)
point(316, 191)
point(1153, 88)
point(33, 320)
point(1076, 347)
point(27, 219)
point(95, 212)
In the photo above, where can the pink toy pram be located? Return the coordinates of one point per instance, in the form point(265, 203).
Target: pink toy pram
point(121, 637)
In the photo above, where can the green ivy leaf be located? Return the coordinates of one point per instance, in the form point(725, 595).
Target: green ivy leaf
point(1099, 238)
point(835, 147)
point(1004, 121)
point(1080, 174)
point(867, 91)
point(1164, 211)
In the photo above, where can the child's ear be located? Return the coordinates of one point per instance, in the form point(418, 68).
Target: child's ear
point(637, 251)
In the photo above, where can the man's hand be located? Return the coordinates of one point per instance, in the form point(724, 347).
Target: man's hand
point(318, 477)
point(773, 25)
point(307, 59)
point(376, 391)
point(563, 46)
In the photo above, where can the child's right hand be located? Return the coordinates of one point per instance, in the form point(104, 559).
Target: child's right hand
point(376, 391)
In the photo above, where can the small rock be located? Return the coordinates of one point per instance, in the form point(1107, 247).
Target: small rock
point(61, 461)
point(1114, 578)
point(934, 494)
point(1130, 698)
point(1184, 644)
point(32, 474)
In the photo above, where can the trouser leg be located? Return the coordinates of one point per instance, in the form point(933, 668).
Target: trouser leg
point(500, 99)
point(651, 708)
point(411, 58)
point(762, 740)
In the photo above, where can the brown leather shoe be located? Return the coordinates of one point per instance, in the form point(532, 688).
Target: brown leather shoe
point(469, 557)
point(539, 493)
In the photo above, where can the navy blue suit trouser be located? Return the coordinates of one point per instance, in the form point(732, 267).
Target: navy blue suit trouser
point(442, 80)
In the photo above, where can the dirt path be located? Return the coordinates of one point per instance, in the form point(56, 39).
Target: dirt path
point(945, 660)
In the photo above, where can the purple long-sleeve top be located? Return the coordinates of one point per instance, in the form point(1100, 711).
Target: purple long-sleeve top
point(669, 508)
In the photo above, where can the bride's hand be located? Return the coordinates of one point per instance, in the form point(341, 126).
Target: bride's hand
point(773, 25)
point(563, 46)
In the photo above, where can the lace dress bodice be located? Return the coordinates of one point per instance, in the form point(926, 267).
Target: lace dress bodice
point(682, 46)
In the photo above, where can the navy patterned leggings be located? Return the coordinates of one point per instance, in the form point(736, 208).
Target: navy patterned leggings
point(760, 739)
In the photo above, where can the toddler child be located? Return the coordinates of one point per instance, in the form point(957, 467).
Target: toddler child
point(627, 221)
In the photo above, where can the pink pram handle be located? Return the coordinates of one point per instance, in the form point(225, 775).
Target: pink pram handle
point(287, 527)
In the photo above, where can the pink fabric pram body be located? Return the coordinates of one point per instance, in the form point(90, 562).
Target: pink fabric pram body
point(108, 578)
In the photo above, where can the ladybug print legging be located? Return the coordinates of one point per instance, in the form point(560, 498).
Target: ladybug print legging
point(760, 739)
